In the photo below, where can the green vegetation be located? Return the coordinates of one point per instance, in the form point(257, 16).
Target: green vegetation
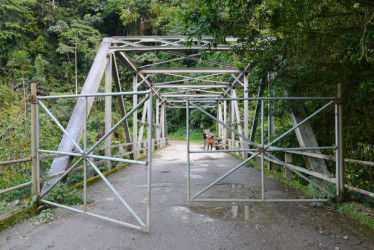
point(358, 212)
point(43, 217)
point(196, 135)
point(63, 195)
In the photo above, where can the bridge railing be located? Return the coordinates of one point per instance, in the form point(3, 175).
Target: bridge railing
point(141, 150)
point(288, 157)
point(289, 160)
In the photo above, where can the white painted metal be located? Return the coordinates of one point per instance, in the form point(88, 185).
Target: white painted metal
point(135, 115)
point(245, 121)
point(108, 110)
point(186, 86)
point(188, 70)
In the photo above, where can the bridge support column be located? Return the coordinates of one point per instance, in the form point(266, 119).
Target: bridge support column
point(225, 121)
point(35, 171)
point(340, 157)
point(135, 116)
point(108, 110)
point(232, 119)
point(157, 124)
point(245, 121)
point(163, 132)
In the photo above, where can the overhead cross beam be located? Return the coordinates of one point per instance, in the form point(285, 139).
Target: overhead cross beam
point(183, 86)
point(188, 70)
point(168, 43)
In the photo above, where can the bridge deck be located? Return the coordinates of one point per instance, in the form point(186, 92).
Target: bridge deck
point(177, 224)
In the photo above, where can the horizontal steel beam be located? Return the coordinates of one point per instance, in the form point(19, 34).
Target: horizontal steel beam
point(169, 48)
point(94, 95)
point(188, 70)
point(192, 107)
point(206, 86)
point(259, 200)
point(269, 98)
point(184, 101)
point(167, 38)
point(190, 95)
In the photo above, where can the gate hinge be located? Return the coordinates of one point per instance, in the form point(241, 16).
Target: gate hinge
point(34, 100)
point(338, 101)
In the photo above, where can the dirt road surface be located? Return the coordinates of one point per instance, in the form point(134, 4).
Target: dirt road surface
point(177, 224)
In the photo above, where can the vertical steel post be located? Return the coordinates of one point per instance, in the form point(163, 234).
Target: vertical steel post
point(149, 162)
point(108, 110)
point(337, 165)
point(157, 130)
point(34, 143)
point(262, 154)
point(38, 174)
point(220, 130)
point(225, 121)
point(188, 149)
point(163, 135)
point(232, 110)
point(165, 124)
point(135, 115)
point(85, 152)
point(340, 144)
point(217, 125)
point(245, 111)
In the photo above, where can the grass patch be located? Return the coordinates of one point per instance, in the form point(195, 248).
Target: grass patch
point(357, 211)
point(196, 135)
point(64, 195)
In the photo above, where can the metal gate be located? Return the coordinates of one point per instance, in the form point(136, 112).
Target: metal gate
point(262, 150)
point(86, 155)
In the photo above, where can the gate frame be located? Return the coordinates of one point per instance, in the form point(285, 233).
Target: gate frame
point(85, 154)
point(262, 149)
